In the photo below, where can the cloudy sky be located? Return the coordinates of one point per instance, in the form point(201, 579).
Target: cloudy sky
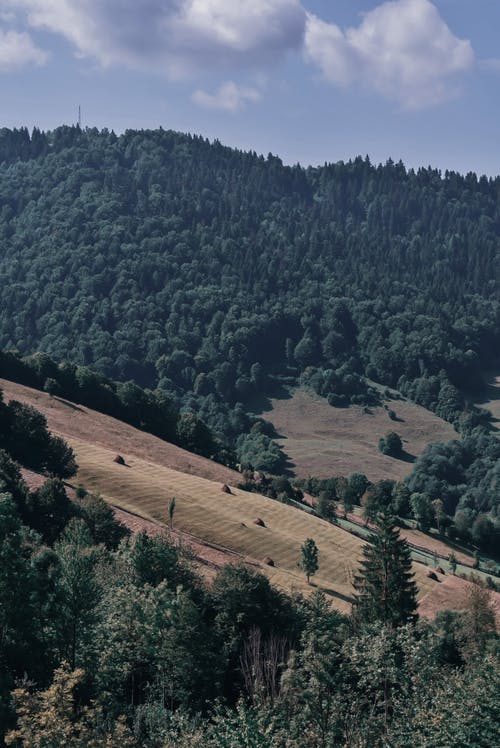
point(309, 80)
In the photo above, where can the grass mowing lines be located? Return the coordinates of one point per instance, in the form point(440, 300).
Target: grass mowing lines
point(205, 511)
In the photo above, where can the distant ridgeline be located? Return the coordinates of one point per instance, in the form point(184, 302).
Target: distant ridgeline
point(207, 272)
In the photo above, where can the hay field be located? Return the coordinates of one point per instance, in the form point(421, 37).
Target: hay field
point(325, 441)
point(452, 593)
point(219, 527)
point(205, 512)
point(73, 420)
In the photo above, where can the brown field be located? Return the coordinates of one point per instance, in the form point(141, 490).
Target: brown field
point(218, 527)
point(325, 441)
point(71, 420)
point(452, 594)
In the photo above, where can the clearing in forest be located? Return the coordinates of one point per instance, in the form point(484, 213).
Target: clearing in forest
point(322, 441)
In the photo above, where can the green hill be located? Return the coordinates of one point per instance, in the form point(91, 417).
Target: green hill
point(179, 263)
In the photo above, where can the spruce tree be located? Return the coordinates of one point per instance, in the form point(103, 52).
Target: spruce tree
point(385, 590)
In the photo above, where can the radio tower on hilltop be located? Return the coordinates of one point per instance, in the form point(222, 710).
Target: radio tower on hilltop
point(79, 116)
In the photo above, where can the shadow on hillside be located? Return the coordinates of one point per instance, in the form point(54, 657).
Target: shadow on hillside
point(261, 401)
point(406, 457)
point(335, 593)
point(68, 404)
point(288, 469)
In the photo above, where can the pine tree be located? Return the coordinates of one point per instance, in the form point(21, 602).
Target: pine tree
point(385, 590)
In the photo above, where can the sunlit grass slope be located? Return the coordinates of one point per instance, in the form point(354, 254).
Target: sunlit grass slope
point(205, 511)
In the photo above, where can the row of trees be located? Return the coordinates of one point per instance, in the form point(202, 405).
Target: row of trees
point(148, 410)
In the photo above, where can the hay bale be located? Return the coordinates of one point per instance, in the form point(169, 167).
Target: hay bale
point(119, 460)
point(225, 489)
point(260, 522)
point(269, 561)
point(432, 575)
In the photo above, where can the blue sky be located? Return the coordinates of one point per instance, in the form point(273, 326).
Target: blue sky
point(309, 80)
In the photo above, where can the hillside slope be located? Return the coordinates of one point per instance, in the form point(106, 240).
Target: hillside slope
point(72, 420)
point(323, 441)
point(181, 264)
point(206, 517)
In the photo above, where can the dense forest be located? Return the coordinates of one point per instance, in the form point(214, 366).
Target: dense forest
point(208, 272)
point(113, 641)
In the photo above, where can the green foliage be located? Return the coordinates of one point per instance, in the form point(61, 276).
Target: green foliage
point(49, 510)
point(24, 434)
point(308, 560)
point(101, 521)
point(391, 444)
point(171, 510)
point(259, 452)
point(463, 475)
point(422, 510)
point(207, 271)
point(385, 590)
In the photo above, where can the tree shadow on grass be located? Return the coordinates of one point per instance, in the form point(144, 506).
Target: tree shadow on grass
point(260, 402)
point(334, 593)
point(406, 457)
point(68, 404)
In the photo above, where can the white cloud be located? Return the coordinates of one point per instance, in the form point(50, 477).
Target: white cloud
point(17, 50)
point(173, 36)
point(402, 49)
point(229, 97)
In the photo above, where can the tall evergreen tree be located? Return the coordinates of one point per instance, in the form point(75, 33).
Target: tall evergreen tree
point(385, 590)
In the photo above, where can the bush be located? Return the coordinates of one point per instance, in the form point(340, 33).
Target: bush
point(391, 444)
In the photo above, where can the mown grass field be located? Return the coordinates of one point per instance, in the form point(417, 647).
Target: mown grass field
point(205, 511)
point(156, 471)
point(325, 441)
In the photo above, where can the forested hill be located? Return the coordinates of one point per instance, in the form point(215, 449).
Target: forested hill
point(183, 264)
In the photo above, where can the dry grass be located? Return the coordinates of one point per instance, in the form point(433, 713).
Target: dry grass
point(435, 545)
point(325, 441)
point(218, 526)
point(451, 593)
point(205, 512)
point(72, 420)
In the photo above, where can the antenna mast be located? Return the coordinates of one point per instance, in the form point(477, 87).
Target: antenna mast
point(79, 116)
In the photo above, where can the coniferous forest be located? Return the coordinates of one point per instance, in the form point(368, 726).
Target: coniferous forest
point(169, 281)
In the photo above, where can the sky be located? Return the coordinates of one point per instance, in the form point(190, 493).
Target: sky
point(311, 81)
